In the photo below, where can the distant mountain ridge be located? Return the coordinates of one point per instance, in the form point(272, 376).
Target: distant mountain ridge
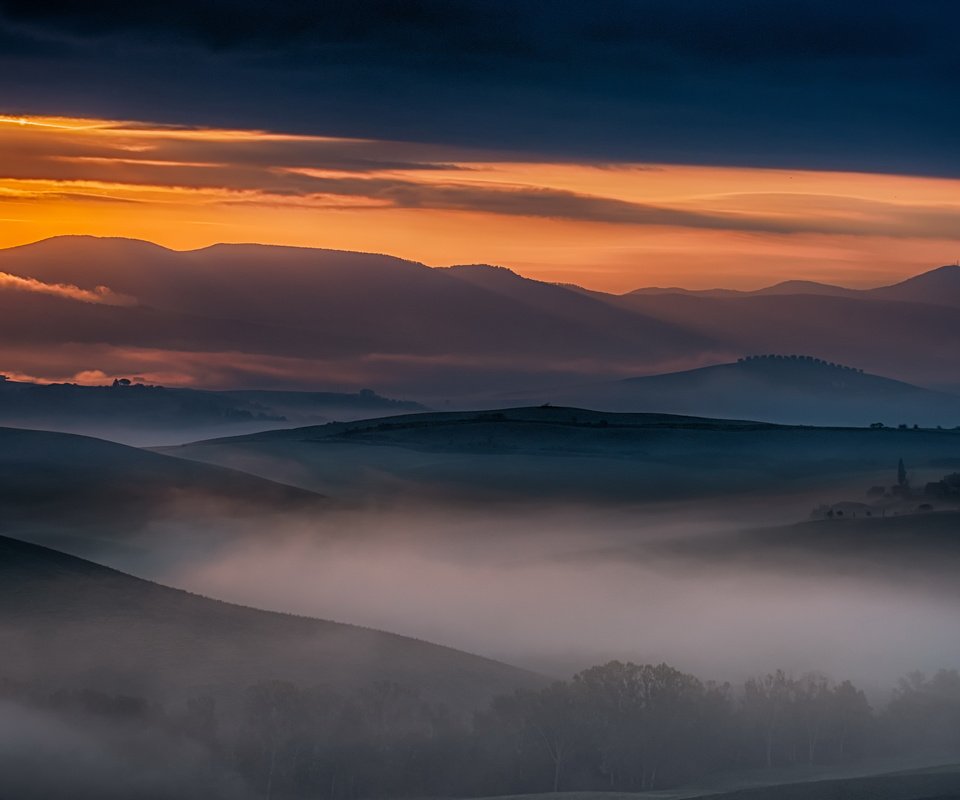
point(253, 315)
point(940, 286)
point(788, 389)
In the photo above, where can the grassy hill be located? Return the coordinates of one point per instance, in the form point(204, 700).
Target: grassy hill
point(551, 452)
point(67, 622)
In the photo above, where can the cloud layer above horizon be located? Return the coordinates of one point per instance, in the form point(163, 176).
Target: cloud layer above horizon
point(606, 226)
point(796, 84)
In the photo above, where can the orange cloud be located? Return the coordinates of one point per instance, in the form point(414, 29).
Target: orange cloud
point(99, 294)
point(606, 227)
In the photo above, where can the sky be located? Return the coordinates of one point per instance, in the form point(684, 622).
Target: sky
point(609, 144)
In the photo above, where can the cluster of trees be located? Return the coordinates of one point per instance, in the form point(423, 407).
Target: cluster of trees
point(805, 359)
point(947, 488)
point(619, 726)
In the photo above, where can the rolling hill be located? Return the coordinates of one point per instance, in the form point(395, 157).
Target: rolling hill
point(796, 390)
point(69, 623)
point(82, 493)
point(916, 551)
point(939, 286)
point(140, 414)
point(911, 341)
point(575, 454)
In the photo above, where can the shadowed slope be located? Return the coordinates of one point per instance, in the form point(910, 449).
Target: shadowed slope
point(570, 453)
point(57, 487)
point(939, 286)
point(68, 622)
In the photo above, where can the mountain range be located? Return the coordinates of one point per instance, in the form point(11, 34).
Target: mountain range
point(233, 316)
point(939, 286)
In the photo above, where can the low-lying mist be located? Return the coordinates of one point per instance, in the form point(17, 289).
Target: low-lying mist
point(46, 754)
point(558, 588)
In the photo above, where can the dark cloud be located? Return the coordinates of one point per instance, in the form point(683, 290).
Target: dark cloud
point(804, 83)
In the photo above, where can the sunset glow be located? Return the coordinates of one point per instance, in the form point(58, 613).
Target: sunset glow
point(609, 227)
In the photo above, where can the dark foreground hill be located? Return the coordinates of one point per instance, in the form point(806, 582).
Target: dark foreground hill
point(138, 414)
point(570, 454)
point(941, 784)
point(66, 622)
point(797, 390)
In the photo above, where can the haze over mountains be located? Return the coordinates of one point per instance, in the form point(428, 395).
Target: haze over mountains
point(235, 316)
point(628, 536)
point(451, 400)
point(560, 494)
point(939, 286)
point(140, 414)
point(798, 390)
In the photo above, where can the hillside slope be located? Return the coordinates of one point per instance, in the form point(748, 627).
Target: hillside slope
point(69, 622)
point(939, 286)
point(57, 487)
point(570, 453)
point(910, 340)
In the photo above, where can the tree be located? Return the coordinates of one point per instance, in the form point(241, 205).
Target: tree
point(646, 721)
point(812, 696)
point(850, 720)
point(925, 713)
point(554, 715)
point(274, 713)
point(766, 701)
